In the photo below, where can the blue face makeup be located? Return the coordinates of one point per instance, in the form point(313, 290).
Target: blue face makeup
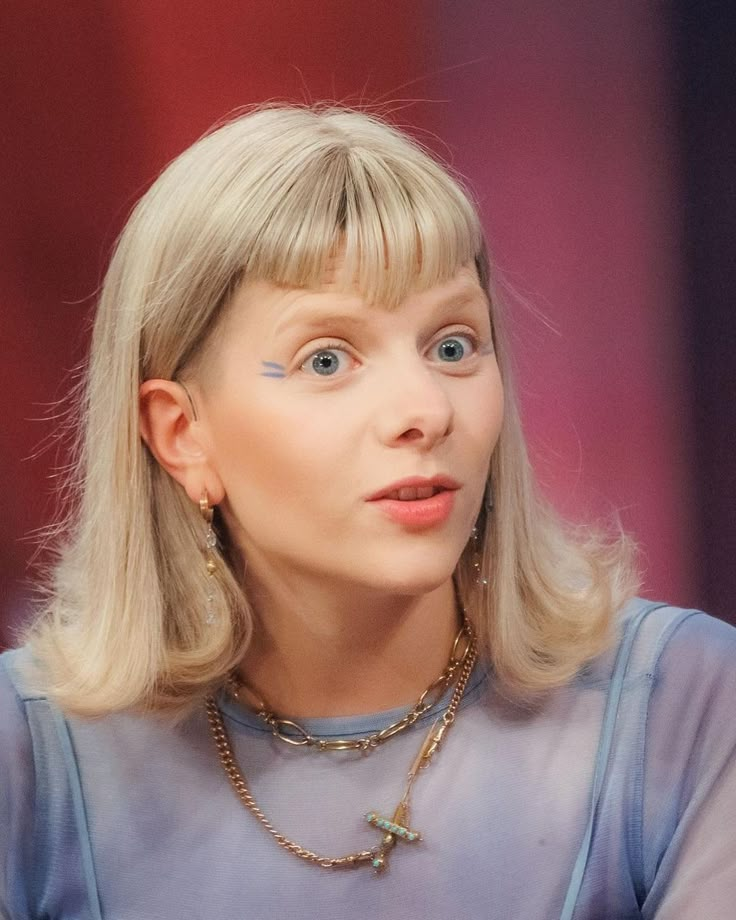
point(272, 369)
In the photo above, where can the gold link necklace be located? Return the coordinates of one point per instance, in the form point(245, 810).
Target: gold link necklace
point(293, 733)
point(393, 829)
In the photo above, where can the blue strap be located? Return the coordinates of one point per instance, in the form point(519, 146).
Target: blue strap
point(80, 812)
point(604, 749)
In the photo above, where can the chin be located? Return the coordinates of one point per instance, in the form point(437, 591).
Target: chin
point(414, 577)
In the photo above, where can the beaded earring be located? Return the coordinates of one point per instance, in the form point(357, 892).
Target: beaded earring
point(477, 534)
point(210, 543)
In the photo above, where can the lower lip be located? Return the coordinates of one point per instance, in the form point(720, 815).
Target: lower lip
point(423, 512)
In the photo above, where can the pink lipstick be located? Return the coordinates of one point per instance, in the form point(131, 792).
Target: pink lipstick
point(417, 502)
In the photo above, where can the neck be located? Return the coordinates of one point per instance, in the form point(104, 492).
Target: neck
point(320, 651)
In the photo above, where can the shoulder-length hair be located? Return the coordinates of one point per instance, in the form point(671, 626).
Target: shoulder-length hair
point(274, 195)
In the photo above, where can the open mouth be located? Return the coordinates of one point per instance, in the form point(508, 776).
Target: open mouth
point(413, 493)
point(416, 489)
point(418, 507)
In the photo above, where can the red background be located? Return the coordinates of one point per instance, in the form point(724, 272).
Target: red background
point(565, 119)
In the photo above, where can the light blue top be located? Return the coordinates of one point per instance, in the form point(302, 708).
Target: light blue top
point(615, 799)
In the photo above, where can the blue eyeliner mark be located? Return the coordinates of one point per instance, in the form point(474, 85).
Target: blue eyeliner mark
point(272, 369)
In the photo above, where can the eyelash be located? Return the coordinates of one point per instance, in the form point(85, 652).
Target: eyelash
point(329, 346)
point(460, 334)
point(340, 346)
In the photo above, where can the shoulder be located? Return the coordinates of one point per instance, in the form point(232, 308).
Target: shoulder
point(18, 670)
point(20, 682)
point(27, 720)
point(653, 639)
point(685, 668)
point(15, 690)
point(17, 781)
point(686, 640)
point(692, 669)
point(16, 696)
point(660, 638)
point(687, 759)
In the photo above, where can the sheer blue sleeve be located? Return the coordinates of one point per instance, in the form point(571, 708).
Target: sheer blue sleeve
point(16, 799)
point(689, 843)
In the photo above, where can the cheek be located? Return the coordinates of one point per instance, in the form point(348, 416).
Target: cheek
point(495, 416)
point(482, 411)
point(266, 451)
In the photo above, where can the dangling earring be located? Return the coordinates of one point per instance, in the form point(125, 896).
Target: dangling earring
point(480, 577)
point(210, 542)
point(488, 497)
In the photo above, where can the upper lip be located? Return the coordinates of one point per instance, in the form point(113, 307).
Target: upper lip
point(437, 482)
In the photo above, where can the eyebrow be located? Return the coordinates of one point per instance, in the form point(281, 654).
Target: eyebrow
point(314, 318)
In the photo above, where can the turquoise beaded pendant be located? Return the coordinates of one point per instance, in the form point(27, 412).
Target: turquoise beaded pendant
point(393, 831)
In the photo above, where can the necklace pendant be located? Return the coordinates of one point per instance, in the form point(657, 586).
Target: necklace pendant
point(380, 862)
point(393, 832)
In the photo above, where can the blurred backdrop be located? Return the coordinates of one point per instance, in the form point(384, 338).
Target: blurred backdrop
point(599, 140)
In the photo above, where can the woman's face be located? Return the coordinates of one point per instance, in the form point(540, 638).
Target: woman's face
point(315, 402)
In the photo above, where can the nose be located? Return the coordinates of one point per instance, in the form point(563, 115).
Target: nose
point(416, 407)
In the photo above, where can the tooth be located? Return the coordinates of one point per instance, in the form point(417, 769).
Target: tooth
point(425, 492)
point(407, 494)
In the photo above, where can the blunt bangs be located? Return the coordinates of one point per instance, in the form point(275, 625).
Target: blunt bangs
point(395, 220)
point(284, 195)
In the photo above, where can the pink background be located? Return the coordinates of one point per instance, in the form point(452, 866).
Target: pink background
point(562, 117)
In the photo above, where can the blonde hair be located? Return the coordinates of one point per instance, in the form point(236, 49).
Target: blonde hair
point(274, 195)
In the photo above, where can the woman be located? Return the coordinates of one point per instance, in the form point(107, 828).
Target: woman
point(313, 645)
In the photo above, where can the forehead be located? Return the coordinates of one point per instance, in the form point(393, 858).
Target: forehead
point(266, 316)
point(280, 307)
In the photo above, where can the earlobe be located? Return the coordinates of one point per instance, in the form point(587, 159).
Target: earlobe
point(176, 439)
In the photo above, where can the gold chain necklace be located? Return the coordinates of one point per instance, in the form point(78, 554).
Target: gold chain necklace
point(293, 733)
point(393, 829)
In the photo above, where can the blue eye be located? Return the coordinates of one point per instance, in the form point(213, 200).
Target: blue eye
point(326, 362)
point(453, 347)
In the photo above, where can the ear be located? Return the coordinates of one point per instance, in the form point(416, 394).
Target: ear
point(177, 439)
